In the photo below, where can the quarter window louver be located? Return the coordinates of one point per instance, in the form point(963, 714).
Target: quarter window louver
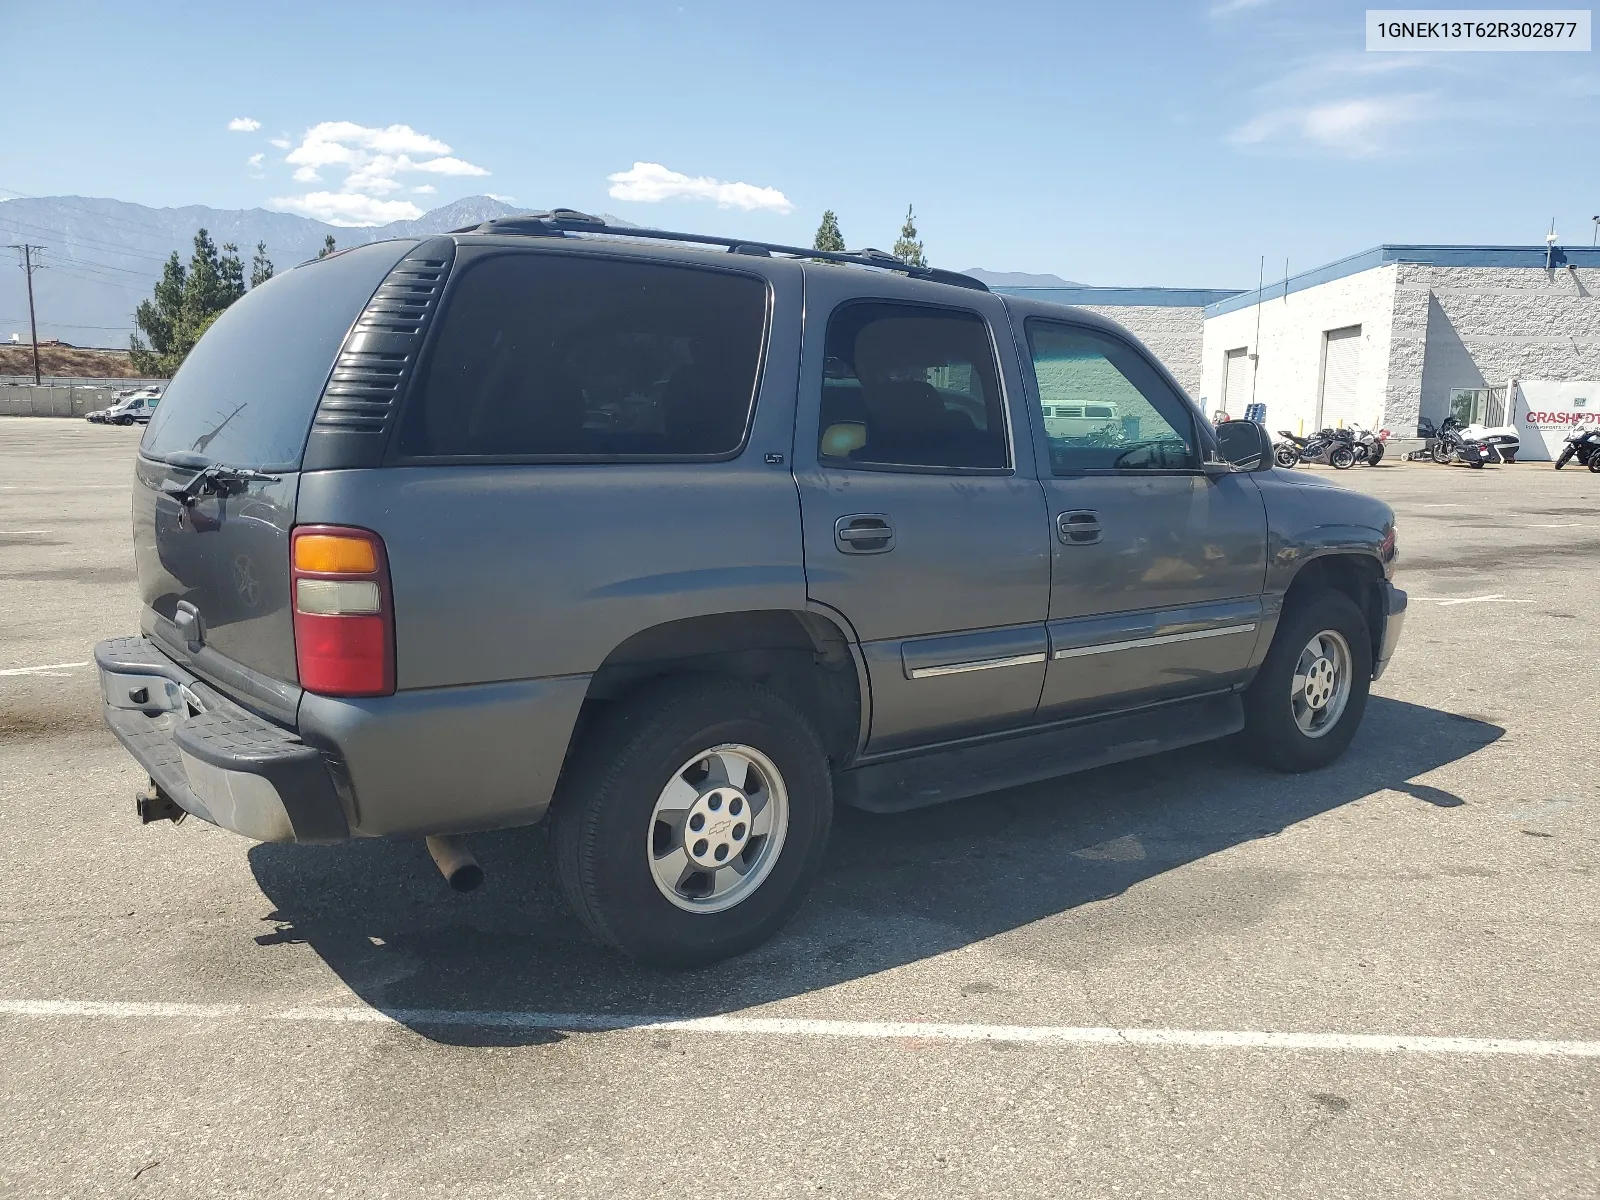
point(378, 356)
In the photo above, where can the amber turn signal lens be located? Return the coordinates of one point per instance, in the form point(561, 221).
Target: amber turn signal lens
point(325, 553)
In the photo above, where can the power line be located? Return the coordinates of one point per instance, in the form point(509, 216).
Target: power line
point(67, 202)
point(80, 239)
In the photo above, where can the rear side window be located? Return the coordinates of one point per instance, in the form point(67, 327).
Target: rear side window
point(589, 359)
point(248, 390)
point(910, 386)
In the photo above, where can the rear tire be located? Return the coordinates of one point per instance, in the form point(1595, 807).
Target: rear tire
point(711, 750)
point(1285, 457)
point(1293, 683)
point(1594, 463)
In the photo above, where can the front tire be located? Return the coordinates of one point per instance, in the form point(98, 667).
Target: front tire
point(1566, 453)
point(1442, 454)
point(1594, 463)
point(690, 822)
point(1342, 458)
point(1305, 703)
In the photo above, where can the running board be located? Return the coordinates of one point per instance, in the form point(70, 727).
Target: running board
point(970, 770)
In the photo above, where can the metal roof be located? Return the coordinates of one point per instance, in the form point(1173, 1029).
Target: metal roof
point(1437, 256)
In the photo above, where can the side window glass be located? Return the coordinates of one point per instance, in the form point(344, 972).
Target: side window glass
point(1104, 407)
point(905, 385)
point(597, 359)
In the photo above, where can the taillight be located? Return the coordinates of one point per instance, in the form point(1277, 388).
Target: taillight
point(1388, 551)
point(343, 611)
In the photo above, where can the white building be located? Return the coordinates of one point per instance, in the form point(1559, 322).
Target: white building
point(1400, 332)
point(1170, 321)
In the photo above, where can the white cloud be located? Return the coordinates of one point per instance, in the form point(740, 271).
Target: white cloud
point(1356, 127)
point(445, 166)
point(374, 161)
point(243, 125)
point(424, 189)
point(254, 163)
point(650, 183)
point(282, 143)
point(345, 208)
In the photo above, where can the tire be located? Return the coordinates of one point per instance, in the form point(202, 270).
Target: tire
point(1476, 463)
point(1342, 458)
point(124, 420)
point(1594, 463)
point(1442, 454)
point(1566, 453)
point(1286, 457)
point(1375, 454)
point(607, 841)
point(1272, 734)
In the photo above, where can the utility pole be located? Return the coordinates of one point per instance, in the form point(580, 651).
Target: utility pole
point(29, 266)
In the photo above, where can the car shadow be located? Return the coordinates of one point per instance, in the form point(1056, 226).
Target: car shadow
point(896, 888)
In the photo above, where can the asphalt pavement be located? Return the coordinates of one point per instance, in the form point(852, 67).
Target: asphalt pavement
point(1179, 977)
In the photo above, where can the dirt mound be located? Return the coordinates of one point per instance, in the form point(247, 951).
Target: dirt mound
point(67, 361)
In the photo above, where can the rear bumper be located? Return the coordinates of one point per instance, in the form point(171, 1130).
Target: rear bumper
point(216, 760)
point(1393, 602)
point(423, 761)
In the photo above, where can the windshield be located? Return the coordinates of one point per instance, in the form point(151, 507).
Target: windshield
point(248, 390)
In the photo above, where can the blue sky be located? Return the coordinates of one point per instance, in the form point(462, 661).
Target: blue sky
point(1110, 143)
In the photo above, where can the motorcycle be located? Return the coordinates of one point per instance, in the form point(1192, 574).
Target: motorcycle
point(1451, 445)
point(1332, 446)
point(1584, 445)
point(1502, 437)
point(1369, 446)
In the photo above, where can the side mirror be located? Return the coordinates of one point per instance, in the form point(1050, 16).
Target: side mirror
point(1245, 444)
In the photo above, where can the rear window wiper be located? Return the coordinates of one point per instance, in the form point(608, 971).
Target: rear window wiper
point(211, 478)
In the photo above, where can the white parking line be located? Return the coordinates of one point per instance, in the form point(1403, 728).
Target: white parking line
point(1445, 601)
point(42, 670)
point(921, 1031)
point(20, 532)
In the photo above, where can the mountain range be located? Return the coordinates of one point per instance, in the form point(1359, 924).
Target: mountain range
point(100, 257)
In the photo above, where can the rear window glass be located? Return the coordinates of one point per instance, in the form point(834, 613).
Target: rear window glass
point(566, 356)
point(248, 390)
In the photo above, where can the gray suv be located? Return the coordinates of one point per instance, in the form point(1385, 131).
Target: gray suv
point(678, 541)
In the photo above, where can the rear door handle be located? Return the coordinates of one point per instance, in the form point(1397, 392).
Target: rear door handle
point(864, 533)
point(1081, 527)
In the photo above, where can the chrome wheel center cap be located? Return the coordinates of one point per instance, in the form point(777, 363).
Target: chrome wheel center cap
point(717, 828)
point(1320, 682)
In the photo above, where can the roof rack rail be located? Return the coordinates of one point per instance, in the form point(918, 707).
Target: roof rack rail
point(561, 221)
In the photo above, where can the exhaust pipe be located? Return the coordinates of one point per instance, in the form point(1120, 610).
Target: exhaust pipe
point(455, 861)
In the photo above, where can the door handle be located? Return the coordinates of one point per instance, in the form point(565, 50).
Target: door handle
point(1080, 527)
point(863, 533)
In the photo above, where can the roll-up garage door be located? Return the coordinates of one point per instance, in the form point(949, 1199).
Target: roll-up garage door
point(1235, 382)
point(1339, 373)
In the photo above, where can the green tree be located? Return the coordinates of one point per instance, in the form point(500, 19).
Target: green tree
point(828, 235)
point(260, 266)
point(909, 247)
point(327, 247)
point(185, 302)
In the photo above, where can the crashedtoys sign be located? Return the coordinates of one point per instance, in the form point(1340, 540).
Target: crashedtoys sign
point(1546, 411)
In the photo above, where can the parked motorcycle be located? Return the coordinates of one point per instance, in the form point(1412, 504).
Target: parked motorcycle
point(1369, 446)
point(1582, 444)
point(1503, 438)
point(1451, 445)
point(1335, 447)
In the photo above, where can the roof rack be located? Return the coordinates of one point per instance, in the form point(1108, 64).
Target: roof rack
point(560, 221)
